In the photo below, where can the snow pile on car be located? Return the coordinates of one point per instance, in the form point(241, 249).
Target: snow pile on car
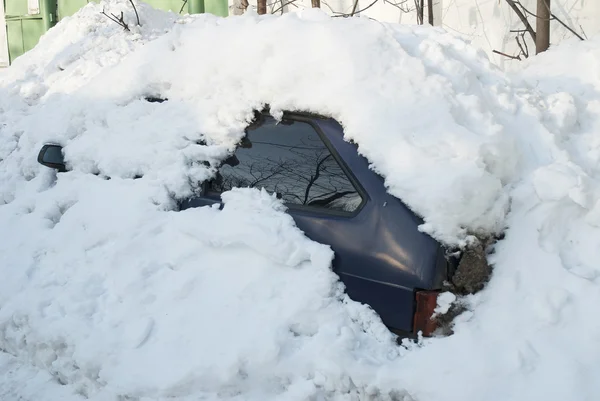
point(114, 294)
point(215, 72)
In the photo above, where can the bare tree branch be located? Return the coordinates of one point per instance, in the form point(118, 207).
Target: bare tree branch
point(507, 55)
point(522, 17)
point(116, 19)
point(328, 6)
point(400, 5)
point(356, 12)
point(283, 5)
point(183, 6)
point(522, 45)
point(136, 13)
point(354, 7)
point(583, 32)
point(552, 17)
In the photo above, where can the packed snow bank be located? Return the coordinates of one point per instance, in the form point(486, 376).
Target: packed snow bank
point(26, 383)
point(115, 294)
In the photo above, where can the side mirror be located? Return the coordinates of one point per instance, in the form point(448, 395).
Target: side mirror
point(51, 156)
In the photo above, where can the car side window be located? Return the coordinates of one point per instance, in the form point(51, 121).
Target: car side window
point(291, 160)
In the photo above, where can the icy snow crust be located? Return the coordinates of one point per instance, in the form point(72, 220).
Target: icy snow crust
point(107, 290)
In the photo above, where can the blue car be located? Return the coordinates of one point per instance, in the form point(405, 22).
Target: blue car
point(336, 199)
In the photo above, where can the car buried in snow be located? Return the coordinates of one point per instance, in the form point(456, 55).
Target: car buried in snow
point(336, 199)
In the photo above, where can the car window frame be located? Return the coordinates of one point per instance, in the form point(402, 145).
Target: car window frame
point(295, 207)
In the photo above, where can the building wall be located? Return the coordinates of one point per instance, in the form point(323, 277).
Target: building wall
point(3, 38)
point(25, 21)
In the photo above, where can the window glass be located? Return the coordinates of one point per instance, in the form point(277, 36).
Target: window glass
point(292, 161)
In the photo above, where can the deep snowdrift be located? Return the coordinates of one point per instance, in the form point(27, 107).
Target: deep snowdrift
point(114, 294)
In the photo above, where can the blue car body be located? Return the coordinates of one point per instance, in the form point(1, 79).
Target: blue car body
point(380, 255)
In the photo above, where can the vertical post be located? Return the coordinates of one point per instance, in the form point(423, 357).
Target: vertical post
point(217, 7)
point(48, 12)
point(542, 26)
point(430, 11)
point(420, 8)
point(196, 6)
point(4, 59)
point(316, 3)
point(261, 6)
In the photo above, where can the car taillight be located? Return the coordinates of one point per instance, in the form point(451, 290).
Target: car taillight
point(426, 302)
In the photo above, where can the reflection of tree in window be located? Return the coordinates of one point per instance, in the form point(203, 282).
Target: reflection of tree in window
point(293, 162)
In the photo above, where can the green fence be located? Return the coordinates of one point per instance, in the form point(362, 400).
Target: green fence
point(67, 8)
point(25, 25)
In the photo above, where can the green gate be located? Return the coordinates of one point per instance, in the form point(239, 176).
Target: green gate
point(25, 26)
point(66, 8)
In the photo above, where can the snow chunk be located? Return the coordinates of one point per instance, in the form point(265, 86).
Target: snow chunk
point(444, 302)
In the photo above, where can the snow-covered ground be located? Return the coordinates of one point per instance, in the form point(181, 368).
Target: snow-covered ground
point(109, 294)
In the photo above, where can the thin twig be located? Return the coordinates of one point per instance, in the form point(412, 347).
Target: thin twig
point(136, 13)
point(522, 46)
point(183, 6)
point(525, 43)
point(552, 17)
point(110, 18)
point(530, 12)
point(280, 8)
point(283, 5)
point(117, 20)
point(354, 7)
point(356, 12)
point(506, 55)
point(400, 6)
point(522, 17)
point(369, 6)
point(328, 6)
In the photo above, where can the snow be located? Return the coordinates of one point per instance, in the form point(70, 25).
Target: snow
point(465, 90)
point(107, 293)
point(444, 302)
point(486, 24)
point(24, 382)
